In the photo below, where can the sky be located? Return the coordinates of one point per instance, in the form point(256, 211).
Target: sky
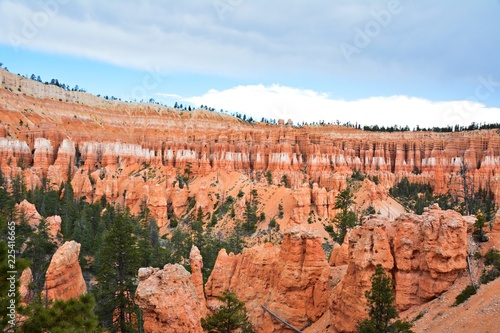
point(384, 62)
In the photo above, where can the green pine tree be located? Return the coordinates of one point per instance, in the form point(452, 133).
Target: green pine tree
point(346, 219)
point(479, 225)
point(6, 295)
point(118, 266)
point(71, 316)
point(250, 218)
point(381, 308)
point(39, 250)
point(231, 316)
point(19, 188)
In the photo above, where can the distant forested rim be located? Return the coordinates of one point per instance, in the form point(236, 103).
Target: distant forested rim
point(249, 119)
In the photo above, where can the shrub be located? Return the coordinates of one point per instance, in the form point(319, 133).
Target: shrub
point(490, 275)
point(491, 258)
point(464, 295)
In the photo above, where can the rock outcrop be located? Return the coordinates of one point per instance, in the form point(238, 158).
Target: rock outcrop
point(291, 280)
point(64, 278)
point(54, 225)
point(168, 300)
point(196, 262)
point(368, 246)
point(424, 255)
point(28, 213)
point(429, 251)
point(24, 282)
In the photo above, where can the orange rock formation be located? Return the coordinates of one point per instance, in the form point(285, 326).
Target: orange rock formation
point(168, 300)
point(64, 278)
point(28, 212)
point(24, 282)
point(424, 254)
point(291, 280)
point(133, 152)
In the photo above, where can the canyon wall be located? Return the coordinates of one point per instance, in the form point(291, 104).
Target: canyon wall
point(135, 153)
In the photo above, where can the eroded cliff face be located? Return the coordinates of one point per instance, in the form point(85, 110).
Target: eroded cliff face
point(135, 152)
point(64, 279)
point(27, 212)
point(423, 254)
point(291, 279)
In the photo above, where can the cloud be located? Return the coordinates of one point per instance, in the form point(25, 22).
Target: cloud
point(281, 102)
point(256, 38)
point(431, 49)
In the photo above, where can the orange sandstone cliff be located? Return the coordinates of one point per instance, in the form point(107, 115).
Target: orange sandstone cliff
point(134, 153)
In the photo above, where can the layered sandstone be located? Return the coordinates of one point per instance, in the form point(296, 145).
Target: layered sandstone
point(196, 263)
point(48, 133)
point(64, 279)
point(291, 280)
point(134, 153)
point(430, 251)
point(368, 246)
point(168, 300)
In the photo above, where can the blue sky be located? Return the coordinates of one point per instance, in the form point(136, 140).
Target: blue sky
point(375, 62)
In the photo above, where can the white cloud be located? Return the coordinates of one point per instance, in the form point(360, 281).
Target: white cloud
point(420, 51)
point(256, 38)
point(281, 102)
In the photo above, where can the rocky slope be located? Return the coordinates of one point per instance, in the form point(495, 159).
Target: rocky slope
point(291, 279)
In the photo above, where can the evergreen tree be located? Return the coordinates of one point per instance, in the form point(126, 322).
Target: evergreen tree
point(18, 188)
point(231, 316)
point(69, 211)
point(118, 266)
point(71, 316)
point(479, 225)
point(7, 203)
point(39, 250)
point(250, 216)
point(269, 177)
point(5, 286)
point(143, 232)
point(381, 308)
point(346, 219)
